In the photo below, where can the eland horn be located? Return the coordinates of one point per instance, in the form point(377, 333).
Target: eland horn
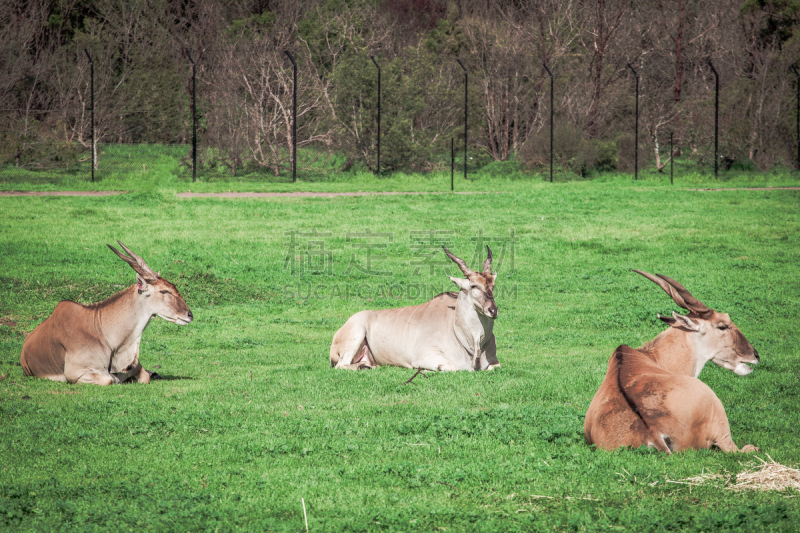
point(679, 294)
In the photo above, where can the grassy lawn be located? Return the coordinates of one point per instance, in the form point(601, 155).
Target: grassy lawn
point(251, 422)
point(144, 167)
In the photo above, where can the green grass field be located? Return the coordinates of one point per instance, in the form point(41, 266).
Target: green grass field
point(152, 167)
point(251, 421)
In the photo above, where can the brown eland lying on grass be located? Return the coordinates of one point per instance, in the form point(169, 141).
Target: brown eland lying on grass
point(453, 331)
point(652, 397)
point(99, 343)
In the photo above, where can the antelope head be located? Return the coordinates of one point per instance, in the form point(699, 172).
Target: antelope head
point(477, 286)
point(160, 296)
point(716, 337)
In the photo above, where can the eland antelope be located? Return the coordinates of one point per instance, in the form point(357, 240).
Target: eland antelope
point(651, 396)
point(99, 343)
point(453, 331)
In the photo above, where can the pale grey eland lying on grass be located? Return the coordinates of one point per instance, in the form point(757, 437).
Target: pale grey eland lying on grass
point(453, 331)
point(652, 397)
point(99, 343)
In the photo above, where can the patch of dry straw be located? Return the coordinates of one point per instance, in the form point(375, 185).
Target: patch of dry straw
point(769, 475)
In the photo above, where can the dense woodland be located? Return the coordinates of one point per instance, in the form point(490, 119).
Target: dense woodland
point(143, 81)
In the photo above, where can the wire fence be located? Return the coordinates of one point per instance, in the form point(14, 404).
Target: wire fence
point(266, 115)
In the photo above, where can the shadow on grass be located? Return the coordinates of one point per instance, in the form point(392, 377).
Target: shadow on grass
point(155, 376)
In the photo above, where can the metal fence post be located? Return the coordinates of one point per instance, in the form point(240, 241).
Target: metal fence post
point(466, 85)
point(551, 120)
point(294, 118)
point(716, 118)
point(452, 160)
point(94, 145)
point(194, 119)
point(378, 167)
point(797, 119)
point(671, 159)
point(636, 134)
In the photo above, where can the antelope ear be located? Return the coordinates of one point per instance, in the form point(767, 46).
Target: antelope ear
point(142, 284)
point(668, 319)
point(686, 322)
point(461, 282)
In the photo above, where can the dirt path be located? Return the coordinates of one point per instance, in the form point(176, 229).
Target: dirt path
point(751, 189)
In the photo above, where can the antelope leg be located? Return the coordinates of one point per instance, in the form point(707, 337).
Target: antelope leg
point(97, 378)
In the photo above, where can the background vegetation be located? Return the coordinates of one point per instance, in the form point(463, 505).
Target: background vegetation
point(244, 81)
point(250, 419)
